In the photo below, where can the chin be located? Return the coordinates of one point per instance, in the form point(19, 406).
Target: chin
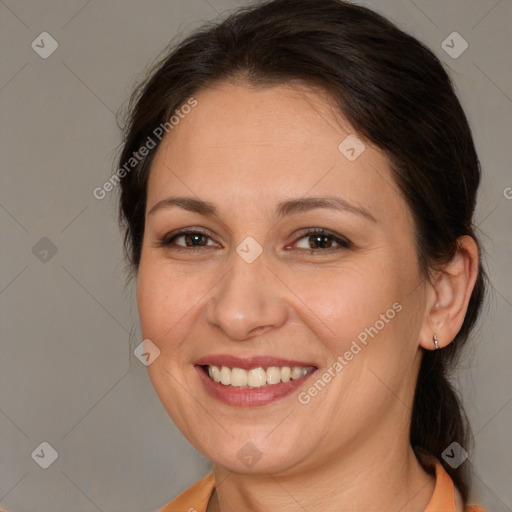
point(253, 454)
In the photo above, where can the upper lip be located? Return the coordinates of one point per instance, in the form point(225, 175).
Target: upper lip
point(247, 363)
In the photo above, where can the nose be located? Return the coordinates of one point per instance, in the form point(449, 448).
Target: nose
point(248, 301)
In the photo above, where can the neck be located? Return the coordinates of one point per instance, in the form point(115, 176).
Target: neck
point(369, 479)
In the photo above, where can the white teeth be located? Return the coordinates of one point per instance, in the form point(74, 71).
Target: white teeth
point(297, 373)
point(225, 376)
point(256, 377)
point(273, 375)
point(286, 373)
point(239, 377)
point(214, 373)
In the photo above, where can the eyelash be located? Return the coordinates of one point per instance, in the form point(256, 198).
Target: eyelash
point(168, 240)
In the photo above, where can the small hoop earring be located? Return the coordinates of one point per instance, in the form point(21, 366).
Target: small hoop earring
point(435, 341)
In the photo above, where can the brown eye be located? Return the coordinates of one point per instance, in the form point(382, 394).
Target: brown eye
point(191, 240)
point(320, 240)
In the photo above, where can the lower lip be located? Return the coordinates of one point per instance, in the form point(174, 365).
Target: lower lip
point(249, 397)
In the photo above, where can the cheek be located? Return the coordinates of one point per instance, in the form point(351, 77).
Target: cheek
point(160, 302)
point(344, 302)
point(169, 300)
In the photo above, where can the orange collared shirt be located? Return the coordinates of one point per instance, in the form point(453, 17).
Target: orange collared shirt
point(196, 497)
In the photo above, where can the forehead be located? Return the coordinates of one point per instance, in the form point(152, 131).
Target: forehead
point(266, 144)
point(257, 124)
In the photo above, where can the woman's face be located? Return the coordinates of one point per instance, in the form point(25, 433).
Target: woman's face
point(257, 285)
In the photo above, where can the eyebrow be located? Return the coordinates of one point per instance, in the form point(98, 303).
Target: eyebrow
point(283, 209)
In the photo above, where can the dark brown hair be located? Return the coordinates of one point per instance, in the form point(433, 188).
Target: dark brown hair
point(393, 91)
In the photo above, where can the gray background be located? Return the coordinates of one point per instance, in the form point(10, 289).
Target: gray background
point(68, 326)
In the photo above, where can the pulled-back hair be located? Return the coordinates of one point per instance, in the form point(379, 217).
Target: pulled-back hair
point(394, 92)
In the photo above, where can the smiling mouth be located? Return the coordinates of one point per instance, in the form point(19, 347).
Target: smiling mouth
point(255, 377)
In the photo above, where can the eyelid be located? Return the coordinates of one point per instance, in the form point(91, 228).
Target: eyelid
point(167, 240)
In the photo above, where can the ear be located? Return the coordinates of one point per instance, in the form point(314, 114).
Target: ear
point(448, 295)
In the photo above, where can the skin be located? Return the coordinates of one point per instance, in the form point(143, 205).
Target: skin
point(245, 149)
